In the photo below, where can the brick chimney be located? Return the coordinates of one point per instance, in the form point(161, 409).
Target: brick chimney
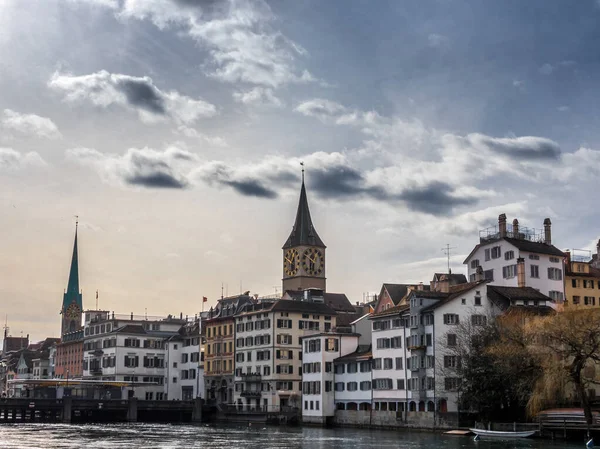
point(547, 231)
point(502, 225)
point(516, 228)
point(521, 272)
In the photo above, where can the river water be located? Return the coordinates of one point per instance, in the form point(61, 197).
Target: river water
point(130, 436)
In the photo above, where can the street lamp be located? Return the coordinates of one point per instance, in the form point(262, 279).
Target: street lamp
point(67, 388)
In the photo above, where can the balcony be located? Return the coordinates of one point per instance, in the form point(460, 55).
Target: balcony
point(96, 371)
point(251, 394)
point(416, 347)
point(97, 352)
point(251, 377)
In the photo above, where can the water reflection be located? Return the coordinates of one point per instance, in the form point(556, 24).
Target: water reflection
point(116, 436)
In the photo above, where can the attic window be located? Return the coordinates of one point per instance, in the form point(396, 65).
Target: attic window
point(463, 301)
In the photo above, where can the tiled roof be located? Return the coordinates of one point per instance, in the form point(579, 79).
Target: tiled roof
point(523, 245)
point(455, 292)
point(391, 311)
point(339, 302)
point(396, 291)
point(454, 278)
point(504, 296)
point(345, 319)
point(131, 329)
point(290, 305)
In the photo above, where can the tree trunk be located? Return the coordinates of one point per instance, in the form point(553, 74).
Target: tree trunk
point(585, 403)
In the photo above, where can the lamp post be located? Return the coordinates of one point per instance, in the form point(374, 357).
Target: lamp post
point(67, 388)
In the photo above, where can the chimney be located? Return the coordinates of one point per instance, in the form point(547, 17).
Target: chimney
point(520, 272)
point(516, 228)
point(479, 276)
point(547, 231)
point(502, 225)
point(131, 316)
point(420, 286)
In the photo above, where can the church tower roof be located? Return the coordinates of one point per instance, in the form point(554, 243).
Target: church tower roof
point(303, 232)
point(73, 285)
point(73, 295)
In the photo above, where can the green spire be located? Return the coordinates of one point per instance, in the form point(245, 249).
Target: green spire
point(73, 295)
point(73, 286)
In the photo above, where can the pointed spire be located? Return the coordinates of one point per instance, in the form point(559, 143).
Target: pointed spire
point(73, 286)
point(303, 232)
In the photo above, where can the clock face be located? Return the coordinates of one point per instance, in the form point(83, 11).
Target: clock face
point(312, 262)
point(291, 262)
point(72, 311)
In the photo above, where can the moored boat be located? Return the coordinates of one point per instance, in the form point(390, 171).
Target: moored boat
point(501, 434)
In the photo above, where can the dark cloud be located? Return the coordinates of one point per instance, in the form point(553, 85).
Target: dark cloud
point(521, 148)
point(251, 187)
point(435, 198)
point(156, 180)
point(142, 94)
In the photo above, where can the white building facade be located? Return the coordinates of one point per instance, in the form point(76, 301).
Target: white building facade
point(500, 249)
point(318, 355)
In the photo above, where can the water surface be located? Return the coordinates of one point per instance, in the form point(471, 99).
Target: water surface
point(163, 436)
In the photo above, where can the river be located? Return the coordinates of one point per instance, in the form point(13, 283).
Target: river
point(130, 436)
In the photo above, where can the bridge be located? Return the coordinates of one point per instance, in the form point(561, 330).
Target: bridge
point(70, 409)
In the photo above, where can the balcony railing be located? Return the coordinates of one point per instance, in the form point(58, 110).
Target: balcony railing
point(96, 371)
point(416, 347)
point(251, 394)
point(252, 377)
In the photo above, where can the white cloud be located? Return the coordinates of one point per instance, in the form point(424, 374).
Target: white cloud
point(193, 134)
point(258, 96)
point(113, 4)
point(12, 160)
point(29, 124)
point(238, 34)
point(104, 89)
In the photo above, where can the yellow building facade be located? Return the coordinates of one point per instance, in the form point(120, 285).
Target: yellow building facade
point(582, 285)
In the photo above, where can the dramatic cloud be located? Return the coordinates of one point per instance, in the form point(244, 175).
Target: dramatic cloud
point(258, 96)
point(11, 160)
point(139, 94)
point(238, 34)
point(29, 124)
point(143, 167)
point(519, 148)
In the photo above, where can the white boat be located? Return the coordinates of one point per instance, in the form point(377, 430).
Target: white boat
point(499, 434)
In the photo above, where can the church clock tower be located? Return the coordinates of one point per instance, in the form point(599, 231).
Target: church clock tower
point(72, 306)
point(303, 252)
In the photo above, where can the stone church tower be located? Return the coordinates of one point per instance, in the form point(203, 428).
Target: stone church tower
point(303, 252)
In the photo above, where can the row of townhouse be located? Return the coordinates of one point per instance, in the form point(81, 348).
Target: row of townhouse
point(403, 368)
point(254, 346)
point(408, 372)
point(159, 358)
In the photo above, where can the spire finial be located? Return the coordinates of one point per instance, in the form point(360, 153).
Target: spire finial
point(76, 222)
point(302, 164)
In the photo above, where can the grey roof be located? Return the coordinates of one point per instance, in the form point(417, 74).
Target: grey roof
point(505, 296)
point(290, 305)
point(523, 245)
point(361, 351)
point(303, 232)
point(453, 277)
point(456, 291)
point(396, 291)
point(339, 302)
point(131, 329)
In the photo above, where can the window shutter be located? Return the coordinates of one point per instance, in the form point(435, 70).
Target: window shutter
point(137, 361)
point(278, 368)
point(290, 355)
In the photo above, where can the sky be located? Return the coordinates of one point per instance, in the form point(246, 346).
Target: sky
point(175, 129)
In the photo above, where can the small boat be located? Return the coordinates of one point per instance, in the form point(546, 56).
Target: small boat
point(499, 434)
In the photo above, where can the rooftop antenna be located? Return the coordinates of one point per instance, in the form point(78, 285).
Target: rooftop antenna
point(446, 251)
point(97, 300)
point(5, 325)
point(221, 289)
